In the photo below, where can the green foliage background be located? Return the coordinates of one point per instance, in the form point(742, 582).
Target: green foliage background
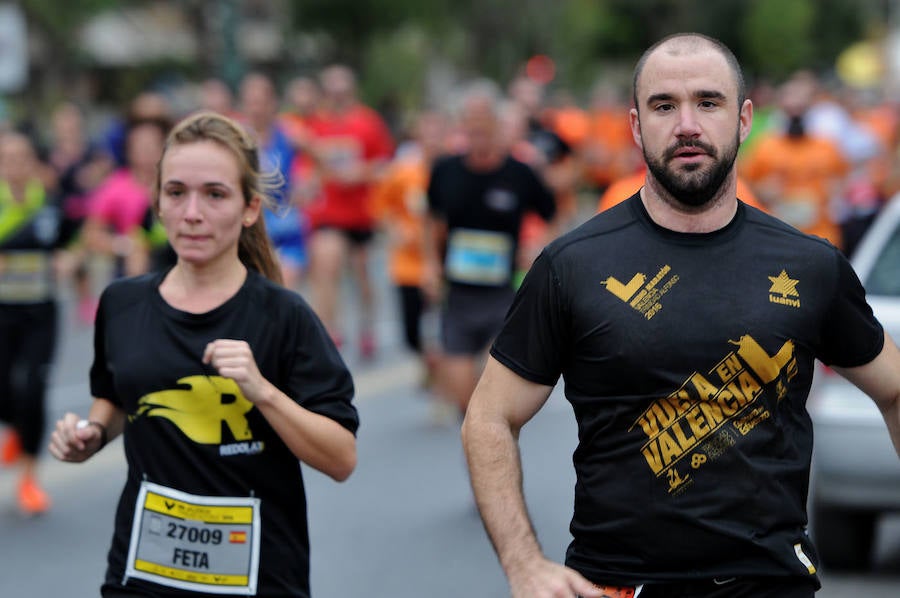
point(397, 43)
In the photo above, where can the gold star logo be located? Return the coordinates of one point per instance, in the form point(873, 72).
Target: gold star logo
point(784, 285)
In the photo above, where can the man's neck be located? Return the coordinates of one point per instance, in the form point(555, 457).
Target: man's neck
point(666, 211)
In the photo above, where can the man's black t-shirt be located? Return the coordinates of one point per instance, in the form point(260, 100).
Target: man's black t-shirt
point(483, 212)
point(191, 430)
point(688, 359)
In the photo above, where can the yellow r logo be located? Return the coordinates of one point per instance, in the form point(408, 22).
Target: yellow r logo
point(200, 409)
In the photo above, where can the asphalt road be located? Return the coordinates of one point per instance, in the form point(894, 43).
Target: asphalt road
point(404, 525)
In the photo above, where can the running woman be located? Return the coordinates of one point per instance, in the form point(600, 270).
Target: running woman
point(221, 380)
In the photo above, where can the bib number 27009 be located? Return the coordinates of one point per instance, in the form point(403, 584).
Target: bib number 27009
point(199, 543)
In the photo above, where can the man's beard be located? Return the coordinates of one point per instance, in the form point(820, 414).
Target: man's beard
point(693, 186)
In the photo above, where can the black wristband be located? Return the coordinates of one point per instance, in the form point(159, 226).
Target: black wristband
point(103, 435)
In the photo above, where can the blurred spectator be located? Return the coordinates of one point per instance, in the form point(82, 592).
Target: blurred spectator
point(830, 117)
point(796, 174)
point(827, 117)
point(881, 114)
point(119, 205)
point(79, 166)
point(609, 151)
point(303, 98)
point(259, 107)
point(400, 204)
point(869, 184)
point(765, 114)
point(146, 106)
point(215, 96)
point(29, 235)
point(535, 232)
point(555, 159)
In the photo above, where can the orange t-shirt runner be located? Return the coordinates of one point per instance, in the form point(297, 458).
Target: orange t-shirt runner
point(807, 171)
point(400, 201)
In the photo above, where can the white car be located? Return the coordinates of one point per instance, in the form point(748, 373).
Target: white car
point(856, 471)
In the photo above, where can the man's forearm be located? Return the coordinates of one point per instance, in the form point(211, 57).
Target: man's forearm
point(496, 475)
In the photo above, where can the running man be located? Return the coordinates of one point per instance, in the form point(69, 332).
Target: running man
point(352, 145)
point(476, 201)
point(686, 325)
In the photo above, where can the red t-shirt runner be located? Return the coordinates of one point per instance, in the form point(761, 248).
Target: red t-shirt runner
point(343, 141)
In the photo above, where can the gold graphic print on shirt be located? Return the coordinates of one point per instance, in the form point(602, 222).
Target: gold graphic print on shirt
point(200, 407)
point(703, 419)
point(784, 290)
point(645, 298)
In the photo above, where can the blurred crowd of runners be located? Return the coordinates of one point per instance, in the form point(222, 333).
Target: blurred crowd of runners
point(462, 194)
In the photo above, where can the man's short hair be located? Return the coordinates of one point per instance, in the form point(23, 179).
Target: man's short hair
point(694, 41)
point(484, 91)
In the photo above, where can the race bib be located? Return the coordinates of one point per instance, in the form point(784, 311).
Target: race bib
point(341, 153)
point(198, 543)
point(25, 277)
point(479, 257)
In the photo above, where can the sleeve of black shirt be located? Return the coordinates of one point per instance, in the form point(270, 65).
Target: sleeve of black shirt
point(534, 340)
point(851, 336)
point(319, 379)
point(100, 377)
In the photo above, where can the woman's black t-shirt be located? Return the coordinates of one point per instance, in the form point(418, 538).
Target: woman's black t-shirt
point(192, 431)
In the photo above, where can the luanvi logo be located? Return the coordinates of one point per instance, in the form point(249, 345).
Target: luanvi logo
point(645, 298)
point(199, 407)
point(784, 290)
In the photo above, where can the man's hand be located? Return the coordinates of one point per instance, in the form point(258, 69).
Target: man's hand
point(545, 579)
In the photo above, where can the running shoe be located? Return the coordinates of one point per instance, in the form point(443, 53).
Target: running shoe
point(32, 498)
point(11, 449)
